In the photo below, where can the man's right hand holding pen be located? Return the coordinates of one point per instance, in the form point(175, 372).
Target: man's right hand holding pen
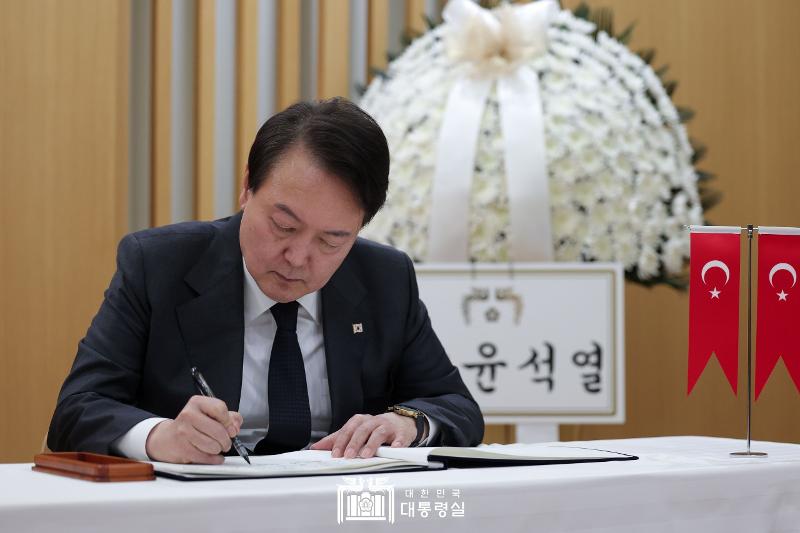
point(199, 434)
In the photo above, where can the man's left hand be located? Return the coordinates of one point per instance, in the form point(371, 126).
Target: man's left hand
point(363, 434)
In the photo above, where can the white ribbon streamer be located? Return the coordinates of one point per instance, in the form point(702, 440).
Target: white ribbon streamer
point(526, 166)
point(494, 45)
point(455, 163)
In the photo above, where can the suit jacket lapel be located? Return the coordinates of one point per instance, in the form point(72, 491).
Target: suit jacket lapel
point(342, 311)
point(212, 324)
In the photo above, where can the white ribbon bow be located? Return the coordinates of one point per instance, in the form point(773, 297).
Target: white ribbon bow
point(498, 41)
point(493, 45)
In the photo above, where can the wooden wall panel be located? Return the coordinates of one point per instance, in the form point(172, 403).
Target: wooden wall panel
point(246, 85)
point(732, 59)
point(333, 54)
point(63, 194)
point(288, 76)
point(161, 150)
point(204, 113)
point(415, 16)
point(499, 434)
point(377, 35)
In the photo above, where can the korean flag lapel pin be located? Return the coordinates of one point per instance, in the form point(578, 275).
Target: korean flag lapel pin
point(358, 328)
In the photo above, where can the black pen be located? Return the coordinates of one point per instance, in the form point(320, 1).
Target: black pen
point(205, 390)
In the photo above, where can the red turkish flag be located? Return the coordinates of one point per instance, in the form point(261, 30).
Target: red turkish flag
point(714, 301)
point(778, 328)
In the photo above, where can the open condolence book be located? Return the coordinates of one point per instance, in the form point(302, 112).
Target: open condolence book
point(315, 462)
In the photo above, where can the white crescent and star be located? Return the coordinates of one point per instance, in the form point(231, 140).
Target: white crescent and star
point(715, 263)
point(788, 268)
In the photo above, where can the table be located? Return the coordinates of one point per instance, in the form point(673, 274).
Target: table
point(679, 484)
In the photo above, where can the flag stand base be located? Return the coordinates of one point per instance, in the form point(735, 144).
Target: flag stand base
point(748, 454)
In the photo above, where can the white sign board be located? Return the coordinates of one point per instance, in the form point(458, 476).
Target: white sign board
point(542, 343)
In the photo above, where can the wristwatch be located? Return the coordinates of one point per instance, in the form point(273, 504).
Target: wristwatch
point(417, 415)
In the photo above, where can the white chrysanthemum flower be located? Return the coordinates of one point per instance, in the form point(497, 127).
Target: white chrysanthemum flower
point(621, 181)
point(626, 250)
point(674, 251)
point(648, 265)
point(568, 250)
point(602, 248)
point(565, 221)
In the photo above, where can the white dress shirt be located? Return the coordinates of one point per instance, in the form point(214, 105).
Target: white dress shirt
point(259, 332)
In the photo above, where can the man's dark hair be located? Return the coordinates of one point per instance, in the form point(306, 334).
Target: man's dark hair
point(342, 138)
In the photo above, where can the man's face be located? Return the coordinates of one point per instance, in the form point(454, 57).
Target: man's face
point(298, 227)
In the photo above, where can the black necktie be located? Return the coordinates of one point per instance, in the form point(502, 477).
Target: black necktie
point(289, 414)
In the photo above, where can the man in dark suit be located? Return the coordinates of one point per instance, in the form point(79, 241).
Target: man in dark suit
point(306, 333)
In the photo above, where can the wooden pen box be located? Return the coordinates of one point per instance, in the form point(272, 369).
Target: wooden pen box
point(93, 466)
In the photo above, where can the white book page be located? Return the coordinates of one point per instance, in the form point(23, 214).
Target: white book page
point(303, 461)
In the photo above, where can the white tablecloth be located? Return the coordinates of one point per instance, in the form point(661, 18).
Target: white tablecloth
point(680, 484)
